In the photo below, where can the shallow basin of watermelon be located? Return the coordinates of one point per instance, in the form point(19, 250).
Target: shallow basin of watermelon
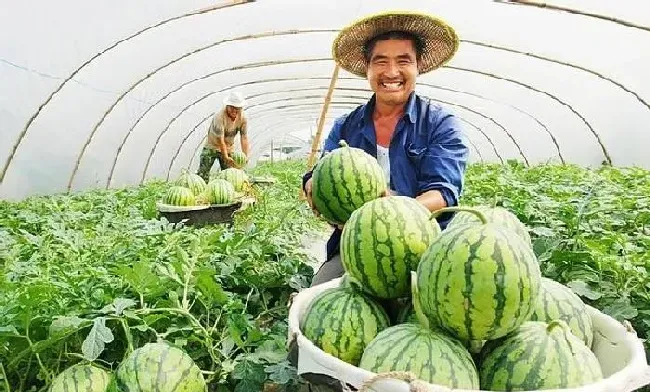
point(618, 349)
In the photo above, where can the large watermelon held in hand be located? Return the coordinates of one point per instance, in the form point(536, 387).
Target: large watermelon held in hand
point(431, 355)
point(192, 181)
point(239, 158)
point(478, 281)
point(497, 215)
point(557, 301)
point(538, 356)
point(159, 367)
point(81, 377)
point(342, 321)
point(383, 242)
point(344, 180)
point(179, 196)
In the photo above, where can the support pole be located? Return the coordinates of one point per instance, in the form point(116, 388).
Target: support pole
point(321, 122)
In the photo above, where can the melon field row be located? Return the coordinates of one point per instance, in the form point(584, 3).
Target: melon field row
point(94, 276)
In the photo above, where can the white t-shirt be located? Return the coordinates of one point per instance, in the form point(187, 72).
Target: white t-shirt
point(384, 162)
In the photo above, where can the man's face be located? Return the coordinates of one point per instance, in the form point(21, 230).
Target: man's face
point(392, 70)
point(232, 111)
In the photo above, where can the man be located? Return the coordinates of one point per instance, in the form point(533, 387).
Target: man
point(225, 125)
point(419, 144)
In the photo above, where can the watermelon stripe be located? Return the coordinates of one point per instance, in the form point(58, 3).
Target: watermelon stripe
point(136, 369)
point(160, 376)
point(468, 290)
point(358, 190)
point(328, 191)
point(340, 187)
point(500, 296)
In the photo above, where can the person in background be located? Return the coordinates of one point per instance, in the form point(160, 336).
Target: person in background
point(225, 126)
point(419, 143)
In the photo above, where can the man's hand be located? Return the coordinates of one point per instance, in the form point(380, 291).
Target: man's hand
point(230, 162)
point(308, 186)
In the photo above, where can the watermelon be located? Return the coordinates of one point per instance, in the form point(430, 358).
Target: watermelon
point(179, 196)
point(538, 356)
point(159, 367)
point(383, 242)
point(239, 158)
point(81, 377)
point(237, 177)
point(431, 356)
point(344, 180)
point(478, 281)
point(220, 191)
point(498, 215)
point(557, 301)
point(192, 181)
point(342, 321)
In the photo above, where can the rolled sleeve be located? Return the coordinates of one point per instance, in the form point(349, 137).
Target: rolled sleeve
point(445, 160)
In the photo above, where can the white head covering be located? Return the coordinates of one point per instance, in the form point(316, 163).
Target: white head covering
point(235, 99)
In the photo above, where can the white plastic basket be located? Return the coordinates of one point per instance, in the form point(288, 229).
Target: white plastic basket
point(620, 352)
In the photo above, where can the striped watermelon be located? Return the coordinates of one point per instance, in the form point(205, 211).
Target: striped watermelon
point(220, 191)
point(494, 215)
point(478, 281)
point(192, 181)
point(343, 180)
point(159, 367)
point(538, 356)
point(557, 301)
point(81, 377)
point(239, 158)
point(342, 321)
point(179, 196)
point(431, 355)
point(237, 177)
point(383, 242)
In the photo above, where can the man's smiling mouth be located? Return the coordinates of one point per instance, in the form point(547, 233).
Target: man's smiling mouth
point(392, 85)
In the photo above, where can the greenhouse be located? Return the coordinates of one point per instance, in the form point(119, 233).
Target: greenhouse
point(284, 195)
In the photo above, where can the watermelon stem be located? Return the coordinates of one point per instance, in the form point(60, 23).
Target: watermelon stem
point(343, 143)
point(565, 329)
point(415, 294)
point(474, 211)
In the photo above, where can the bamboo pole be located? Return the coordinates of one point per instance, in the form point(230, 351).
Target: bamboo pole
point(321, 123)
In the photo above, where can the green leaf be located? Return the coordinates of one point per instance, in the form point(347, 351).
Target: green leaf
point(282, 373)
point(582, 289)
point(63, 324)
point(95, 342)
point(621, 309)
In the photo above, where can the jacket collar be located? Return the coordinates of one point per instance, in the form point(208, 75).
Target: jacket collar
point(409, 109)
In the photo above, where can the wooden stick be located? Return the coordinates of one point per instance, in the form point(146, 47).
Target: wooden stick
point(321, 123)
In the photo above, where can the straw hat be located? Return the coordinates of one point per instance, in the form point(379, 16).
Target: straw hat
point(235, 99)
point(439, 39)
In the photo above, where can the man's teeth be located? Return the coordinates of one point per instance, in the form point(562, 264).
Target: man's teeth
point(393, 85)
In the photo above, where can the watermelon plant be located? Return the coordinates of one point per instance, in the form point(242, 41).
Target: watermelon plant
point(91, 277)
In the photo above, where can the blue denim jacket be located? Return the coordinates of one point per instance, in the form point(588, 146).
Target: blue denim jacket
point(427, 151)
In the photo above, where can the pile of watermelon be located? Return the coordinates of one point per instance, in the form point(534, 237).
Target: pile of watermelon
point(189, 189)
point(152, 367)
point(474, 311)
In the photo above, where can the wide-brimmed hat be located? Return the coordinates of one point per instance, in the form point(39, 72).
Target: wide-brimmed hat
point(439, 39)
point(235, 99)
